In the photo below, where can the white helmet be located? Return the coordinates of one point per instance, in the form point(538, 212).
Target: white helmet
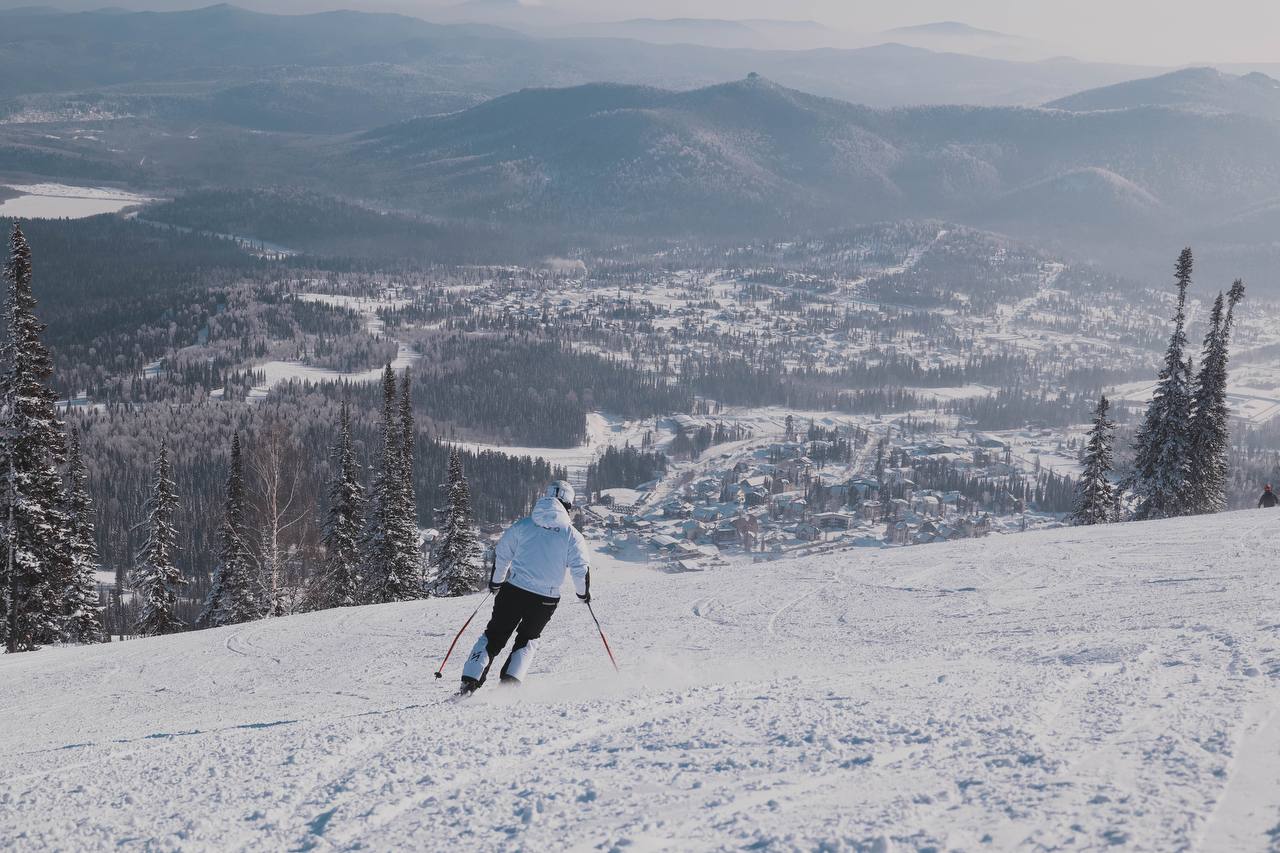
point(563, 492)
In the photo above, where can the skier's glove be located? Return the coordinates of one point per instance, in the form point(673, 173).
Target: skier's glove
point(585, 598)
point(494, 586)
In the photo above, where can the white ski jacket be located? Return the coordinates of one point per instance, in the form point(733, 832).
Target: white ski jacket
point(536, 551)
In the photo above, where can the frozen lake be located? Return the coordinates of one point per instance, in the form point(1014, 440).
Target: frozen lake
point(60, 201)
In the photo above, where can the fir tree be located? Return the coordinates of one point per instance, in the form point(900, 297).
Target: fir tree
point(156, 580)
point(82, 613)
point(1210, 427)
point(1096, 497)
point(235, 594)
point(388, 540)
point(1163, 445)
point(35, 562)
point(408, 493)
point(458, 568)
point(339, 584)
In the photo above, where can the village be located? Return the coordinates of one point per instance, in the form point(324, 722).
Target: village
point(817, 488)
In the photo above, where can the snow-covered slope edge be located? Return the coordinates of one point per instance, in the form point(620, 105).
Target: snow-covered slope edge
point(1068, 689)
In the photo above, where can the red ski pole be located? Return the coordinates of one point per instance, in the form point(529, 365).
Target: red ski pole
point(440, 671)
point(602, 637)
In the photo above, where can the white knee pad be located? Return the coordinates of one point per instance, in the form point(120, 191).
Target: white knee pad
point(477, 660)
point(518, 666)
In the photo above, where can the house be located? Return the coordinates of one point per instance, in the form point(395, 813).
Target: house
point(726, 533)
point(832, 521)
point(663, 542)
point(796, 507)
point(989, 441)
point(676, 509)
point(686, 551)
point(692, 530)
point(927, 505)
point(866, 489)
point(872, 510)
point(807, 532)
point(898, 533)
point(927, 533)
point(707, 514)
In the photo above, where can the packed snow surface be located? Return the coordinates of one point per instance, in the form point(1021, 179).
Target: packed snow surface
point(1067, 689)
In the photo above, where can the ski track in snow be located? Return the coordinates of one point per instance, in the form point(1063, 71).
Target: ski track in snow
point(1068, 690)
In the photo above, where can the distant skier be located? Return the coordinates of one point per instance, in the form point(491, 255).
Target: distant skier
point(530, 562)
point(1268, 498)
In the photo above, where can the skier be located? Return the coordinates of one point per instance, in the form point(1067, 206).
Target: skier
point(1268, 498)
point(530, 561)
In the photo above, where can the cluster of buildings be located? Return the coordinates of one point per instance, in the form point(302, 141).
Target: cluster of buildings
point(773, 499)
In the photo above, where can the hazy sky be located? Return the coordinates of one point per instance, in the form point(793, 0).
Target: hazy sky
point(1164, 31)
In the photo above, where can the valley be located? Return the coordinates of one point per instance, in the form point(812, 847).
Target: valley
point(908, 386)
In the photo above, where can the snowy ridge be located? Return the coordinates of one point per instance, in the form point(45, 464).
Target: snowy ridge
point(1068, 689)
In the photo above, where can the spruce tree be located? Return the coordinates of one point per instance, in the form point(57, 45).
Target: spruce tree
point(82, 613)
point(1210, 427)
point(235, 592)
point(410, 538)
point(338, 585)
point(156, 580)
point(1096, 497)
point(1163, 446)
point(408, 447)
point(388, 541)
point(458, 568)
point(35, 554)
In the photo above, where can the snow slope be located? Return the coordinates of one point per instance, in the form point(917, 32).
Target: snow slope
point(1071, 689)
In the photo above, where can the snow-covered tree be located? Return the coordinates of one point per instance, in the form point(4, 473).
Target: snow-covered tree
point(1163, 445)
point(81, 611)
point(389, 553)
point(277, 465)
point(156, 580)
point(235, 593)
point(1210, 427)
point(338, 585)
point(458, 567)
point(408, 461)
point(1096, 497)
point(35, 552)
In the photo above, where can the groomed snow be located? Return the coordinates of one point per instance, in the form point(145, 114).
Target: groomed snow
point(1071, 689)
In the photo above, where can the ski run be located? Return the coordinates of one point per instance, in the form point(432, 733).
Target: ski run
point(1078, 689)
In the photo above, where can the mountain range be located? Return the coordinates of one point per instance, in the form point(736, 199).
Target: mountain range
point(753, 152)
point(400, 114)
point(183, 61)
point(1203, 89)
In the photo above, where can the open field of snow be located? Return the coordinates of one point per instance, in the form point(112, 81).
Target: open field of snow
point(602, 431)
point(1072, 689)
point(1256, 406)
point(57, 201)
point(278, 373)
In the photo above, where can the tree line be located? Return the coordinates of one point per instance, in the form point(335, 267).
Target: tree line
point(1182, 445)
point(369, 549)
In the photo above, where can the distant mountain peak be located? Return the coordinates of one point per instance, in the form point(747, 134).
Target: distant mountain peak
point(947, 28)
point(1202, 89)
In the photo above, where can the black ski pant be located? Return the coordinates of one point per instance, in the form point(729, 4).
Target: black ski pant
point(517, 611)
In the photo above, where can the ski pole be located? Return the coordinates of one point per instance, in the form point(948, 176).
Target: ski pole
point(602, 637)
point(440, 671)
